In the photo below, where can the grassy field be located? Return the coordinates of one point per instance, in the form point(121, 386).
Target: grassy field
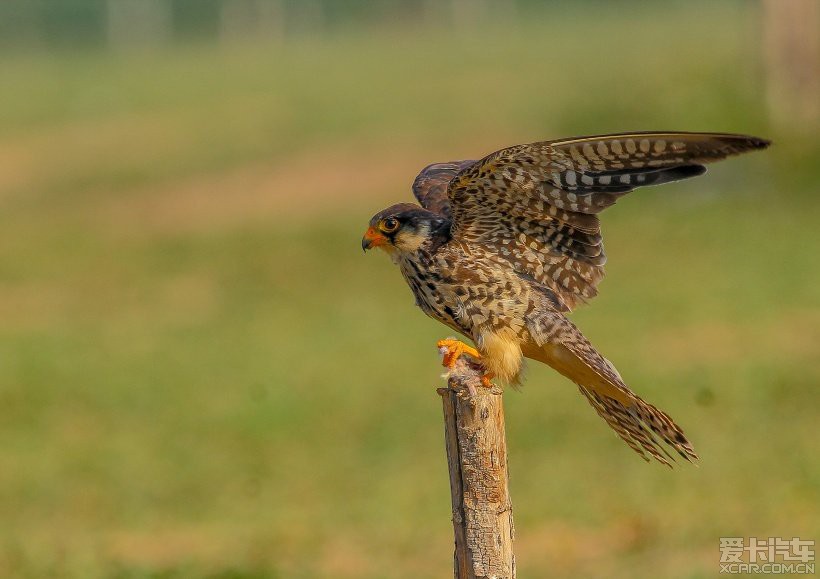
point(202, 376)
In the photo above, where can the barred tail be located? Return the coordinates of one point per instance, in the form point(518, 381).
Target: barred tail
point(560, 344)
point(640, 425)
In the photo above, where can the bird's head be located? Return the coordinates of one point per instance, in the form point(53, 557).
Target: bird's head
point(404, 228)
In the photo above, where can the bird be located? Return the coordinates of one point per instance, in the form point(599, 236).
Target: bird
point(503, 248)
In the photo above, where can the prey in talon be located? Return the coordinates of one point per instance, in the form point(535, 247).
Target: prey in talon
point(502, 249)
point(451, 350)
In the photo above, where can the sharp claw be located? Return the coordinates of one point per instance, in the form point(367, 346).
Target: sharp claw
point(452, 349)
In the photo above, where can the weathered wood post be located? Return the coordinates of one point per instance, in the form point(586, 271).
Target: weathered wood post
point(479, 481)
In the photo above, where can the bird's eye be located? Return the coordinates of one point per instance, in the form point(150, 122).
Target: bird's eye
point(390, 225)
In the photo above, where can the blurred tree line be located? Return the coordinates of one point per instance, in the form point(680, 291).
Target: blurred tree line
point(63, 24)
point(789, 44)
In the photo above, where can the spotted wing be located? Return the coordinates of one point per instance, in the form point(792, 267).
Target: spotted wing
point(430, 186)
point(537, 204)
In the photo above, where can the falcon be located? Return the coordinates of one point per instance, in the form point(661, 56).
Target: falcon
point(503, 248)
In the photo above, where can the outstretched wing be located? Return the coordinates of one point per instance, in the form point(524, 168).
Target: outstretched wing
point(430, 186)
point(537, 204)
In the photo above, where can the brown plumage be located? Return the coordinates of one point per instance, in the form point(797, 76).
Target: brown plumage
point(502, 248)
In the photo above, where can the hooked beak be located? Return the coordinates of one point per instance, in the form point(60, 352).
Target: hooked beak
point(372, 238)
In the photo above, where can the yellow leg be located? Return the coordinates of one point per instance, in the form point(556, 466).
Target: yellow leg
point(453, 349)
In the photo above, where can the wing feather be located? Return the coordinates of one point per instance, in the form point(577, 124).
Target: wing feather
point(430, 185)
point(537, 203)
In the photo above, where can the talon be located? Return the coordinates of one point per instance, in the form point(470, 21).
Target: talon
point(453, 349)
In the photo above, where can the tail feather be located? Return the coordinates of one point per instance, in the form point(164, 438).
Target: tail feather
point(645, 428)
point(641, 425)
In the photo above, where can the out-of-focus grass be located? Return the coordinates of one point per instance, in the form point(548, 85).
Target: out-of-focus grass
point(202, 376)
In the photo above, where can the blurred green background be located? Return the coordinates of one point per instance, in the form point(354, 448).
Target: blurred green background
point(202, 376)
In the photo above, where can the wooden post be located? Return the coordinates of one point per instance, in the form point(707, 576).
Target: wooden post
point(479, 481)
